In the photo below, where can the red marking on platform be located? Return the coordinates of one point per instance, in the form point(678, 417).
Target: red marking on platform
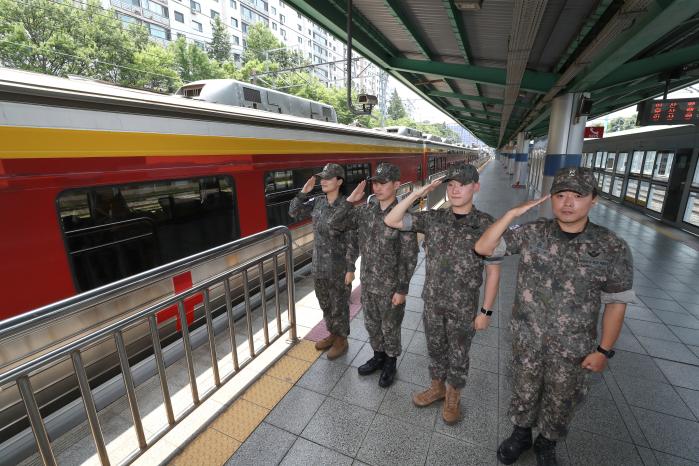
point(320, 331)
point(181, 283)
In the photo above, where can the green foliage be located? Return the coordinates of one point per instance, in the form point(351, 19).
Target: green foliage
point(193, 64)
point(263, 46)
point(621, 123)
point(220, 47)
point(395, 109)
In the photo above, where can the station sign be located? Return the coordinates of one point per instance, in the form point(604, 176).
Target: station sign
point(594, 132)
point(668, 112)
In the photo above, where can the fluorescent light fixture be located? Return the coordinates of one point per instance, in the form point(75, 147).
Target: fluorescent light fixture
point(468, 5)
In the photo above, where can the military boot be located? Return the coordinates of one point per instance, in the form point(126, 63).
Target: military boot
point(435, 393)
point(545, 450)
point(325, 343)
point(451, 411)
point(373, 364)
point(339, 347)
point(516, 444)
point(388, 372)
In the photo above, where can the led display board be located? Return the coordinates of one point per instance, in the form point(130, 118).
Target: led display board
point(668, 112)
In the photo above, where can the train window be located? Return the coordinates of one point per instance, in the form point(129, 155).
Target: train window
point(609, 163)
point(616, 187)
point(419, 170)
point(356, 173)
point(656, 199)
point(598, 159)
point(691, 212)
point(631, 189)
point(643, 193)
point(606, 185)
point(621, 162)
point(112, 232)
point(280, 188)
point(637, 162)
point(663, 165)
point(649, 163)
point(431, 166)
point(695, 180)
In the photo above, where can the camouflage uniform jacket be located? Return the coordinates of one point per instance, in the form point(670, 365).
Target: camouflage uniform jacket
point(389, 256)
point(562, 282)
point(454, 270)
point(330, 247)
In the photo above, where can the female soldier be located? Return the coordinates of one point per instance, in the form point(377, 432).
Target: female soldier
point(333, 269)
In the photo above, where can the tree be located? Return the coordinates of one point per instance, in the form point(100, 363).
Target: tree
point(621, 123)
point(220, 46)
point(395, 109)
point(192, 63)
point(264, 47)
point(161, 75)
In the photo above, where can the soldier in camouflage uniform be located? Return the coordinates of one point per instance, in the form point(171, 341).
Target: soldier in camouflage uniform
point(333, 269)
point(389, 258)
point(452, 283)
point(568, 267)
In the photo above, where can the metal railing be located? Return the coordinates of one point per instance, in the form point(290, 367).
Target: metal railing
point(20, 375)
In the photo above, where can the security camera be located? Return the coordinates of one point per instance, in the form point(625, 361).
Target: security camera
point(367, 102)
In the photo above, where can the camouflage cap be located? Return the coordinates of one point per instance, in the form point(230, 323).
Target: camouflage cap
point(462, 172)
point(331, 170)
point(386, 172)
point(577, 179)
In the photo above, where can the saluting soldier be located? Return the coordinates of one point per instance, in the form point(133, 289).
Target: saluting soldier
point(452, 283)
point(568, 266)
point(333, 269)
point(389, 258)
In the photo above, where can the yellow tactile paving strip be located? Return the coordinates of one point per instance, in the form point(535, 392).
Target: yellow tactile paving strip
point(215, 445)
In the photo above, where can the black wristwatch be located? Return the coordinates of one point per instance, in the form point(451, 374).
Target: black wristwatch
point(486, 312)
point(608, 353)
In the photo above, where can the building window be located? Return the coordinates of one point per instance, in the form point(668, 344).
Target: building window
point(194, 6)
point(214, 14)
point(234, 22)
point(274, 26)
point(235, 39)
point(274, 11)
point(244, 28)
point(282, 19)
point(181, 36)
point(300, 40)
point(300, 28)
point(197, 26)
point(179, 17)
point(283, 33)
point(158, 31)
point(234, 4)
point(156, 8)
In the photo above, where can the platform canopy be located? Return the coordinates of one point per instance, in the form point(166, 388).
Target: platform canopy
point(495, 65)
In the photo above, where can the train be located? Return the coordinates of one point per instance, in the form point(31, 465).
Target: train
point(99, 182)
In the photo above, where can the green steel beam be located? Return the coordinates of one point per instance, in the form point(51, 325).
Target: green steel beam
point(477, 98)
point(532, 81)
point(660, 18)
point(649, 66)
point(452, 108)
point(398, 11)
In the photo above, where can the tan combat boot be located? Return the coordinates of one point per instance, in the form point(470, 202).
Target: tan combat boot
point(325, 343)
point(434, 393)
point(339, 347)
point(451, 411)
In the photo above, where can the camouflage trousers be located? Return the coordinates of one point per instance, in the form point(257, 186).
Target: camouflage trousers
point(333, 298)
point(449, 333)
point(382, 321)
point(546, 388)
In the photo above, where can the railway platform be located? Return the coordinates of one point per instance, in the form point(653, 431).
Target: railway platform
point(293, 406)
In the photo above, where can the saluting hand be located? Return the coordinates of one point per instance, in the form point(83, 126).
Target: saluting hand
point(526, 206)
point(595, 362)
point(481, 321)
point(428, 188)
point(308, 187)
point(358, 192)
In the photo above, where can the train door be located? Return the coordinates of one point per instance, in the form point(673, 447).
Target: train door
point(676, 184)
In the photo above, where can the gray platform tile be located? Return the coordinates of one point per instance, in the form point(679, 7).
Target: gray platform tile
point(600, 450)
point(488, 337)
point(304, 453)
point(446, 451)
point(669, 434)
point(691, 398)
point(641, 313)
point(651, 292)
point(418, 345)
point(483, 386)
point(678, 319)
point(294, 411)
point(649, 329)
point(661, 304)
point(505, 362)
point(339, 425)
point(266, 445)
point(681, 375)
point(415, 290)
point(352, 350)
point(483, 357)
point(414, 304)
point(598, 387)
point(479, 423)
point(636, 365)
point(411, 320)
point(668, 350)
point(694, 349)
point(363, 355)
point(670, 460)
point(390, 441)
point(358, 331)
point(647, 456)
point(414, 369)
point(418, 279)
point(398, 404)
point(655, 396)
point(691, 297)
point(600, 416)
point(688, 336)
point(322, 376)
point(360, 390)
